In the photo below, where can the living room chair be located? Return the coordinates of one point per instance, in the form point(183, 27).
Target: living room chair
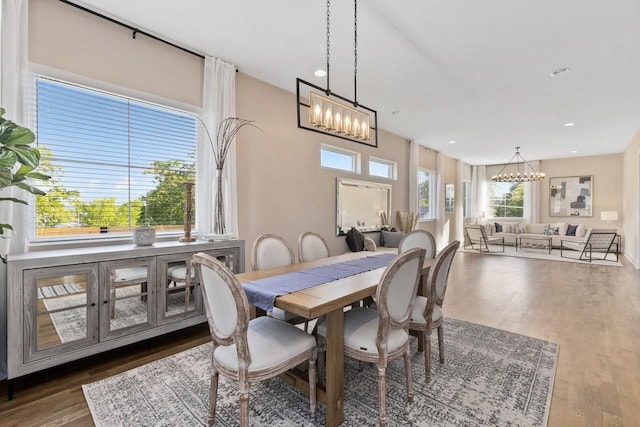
point(476, 236)
point(427, 311)
point(271, 251)
point(418, 239)
point(380, 335)
point(247, 350)
point(598, 241)
point(312, 246)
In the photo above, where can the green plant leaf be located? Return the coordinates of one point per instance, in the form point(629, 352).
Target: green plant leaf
point(5, 227)
point(21, 173)
point(27, 155)
point(20, 136)
point(7, 159)
point(6, 178)
point(31, 189)
point(13, 199)
point(38, 175)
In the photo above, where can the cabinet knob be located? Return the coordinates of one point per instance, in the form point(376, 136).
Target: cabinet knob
point(105, 302)
point(93, 304)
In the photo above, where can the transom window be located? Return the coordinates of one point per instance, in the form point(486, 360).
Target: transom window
point(115, 162)
point(339, 158)
point(383, 168)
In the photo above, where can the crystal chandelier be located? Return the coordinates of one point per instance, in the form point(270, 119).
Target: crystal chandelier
point(331, 113)
point(529, 173)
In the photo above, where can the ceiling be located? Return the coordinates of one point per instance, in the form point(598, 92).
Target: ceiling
point(472, 71)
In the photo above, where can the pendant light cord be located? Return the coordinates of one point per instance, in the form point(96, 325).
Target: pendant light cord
point(355, 53)
point(328, 43)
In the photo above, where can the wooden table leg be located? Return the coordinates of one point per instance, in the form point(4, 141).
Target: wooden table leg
point(335, 368)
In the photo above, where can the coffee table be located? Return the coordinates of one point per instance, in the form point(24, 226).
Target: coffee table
point(534, 242)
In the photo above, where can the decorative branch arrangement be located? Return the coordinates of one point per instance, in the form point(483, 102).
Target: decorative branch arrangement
point(383, 219)
point(407, 221)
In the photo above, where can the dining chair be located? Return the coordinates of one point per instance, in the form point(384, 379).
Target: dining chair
point(127, 276)
point(312, 246)
point(427, 311)
point(271, 251)
point(247, 350)
point(380, 335)
point(179, 277)
point(418, 239)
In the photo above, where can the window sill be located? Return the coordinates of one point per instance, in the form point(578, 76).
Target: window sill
point(46, 245)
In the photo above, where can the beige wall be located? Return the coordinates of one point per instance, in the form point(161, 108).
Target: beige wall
point(281, 187)
point(631, 200)
point(607, 186)
point(66, 38)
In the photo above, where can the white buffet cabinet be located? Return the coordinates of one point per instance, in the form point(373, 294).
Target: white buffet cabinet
point(67, 304)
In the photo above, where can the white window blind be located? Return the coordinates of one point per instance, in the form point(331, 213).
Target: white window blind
point(115, 162)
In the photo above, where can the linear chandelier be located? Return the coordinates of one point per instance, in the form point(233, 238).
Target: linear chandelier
point(332, 114)
point(529, 173)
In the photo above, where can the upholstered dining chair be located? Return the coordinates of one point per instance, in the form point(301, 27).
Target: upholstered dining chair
point(247, 350)
point(180, 276)
point(427, 311)
point(312, 246)
point(418, 239)
point(380, 335)
point(271, 251)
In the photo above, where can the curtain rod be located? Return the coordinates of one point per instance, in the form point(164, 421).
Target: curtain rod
point(135, 30)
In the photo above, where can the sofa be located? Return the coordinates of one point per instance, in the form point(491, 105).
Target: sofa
point(557, 231)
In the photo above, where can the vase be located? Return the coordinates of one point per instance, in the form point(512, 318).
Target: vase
point(144, 236)
point(219, 226)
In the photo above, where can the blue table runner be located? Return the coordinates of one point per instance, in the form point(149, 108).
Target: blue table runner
point(262, 293)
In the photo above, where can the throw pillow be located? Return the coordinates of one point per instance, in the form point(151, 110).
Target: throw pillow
point(549, 231)
point(355, 240)
point(571, 230)
point(498, 227)
point(391, 239)
point(581, 231)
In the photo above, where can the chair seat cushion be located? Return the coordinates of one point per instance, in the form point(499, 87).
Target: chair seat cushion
point(179, 272)
point(271, 342)
point(280, 314)
point(573, 245)
point(417, 316)
point(361, 331)
point(130, 273)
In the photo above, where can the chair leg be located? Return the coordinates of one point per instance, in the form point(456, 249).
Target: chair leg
point(441, 342)
point(312, 381)
point(407, 374)
point(244, 403)
point(382, 415)
point(427, 356)
point(213, 397)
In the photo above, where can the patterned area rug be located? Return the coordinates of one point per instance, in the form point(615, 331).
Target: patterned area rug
point(534, 253)
point(71, 324)
point(490, 377)
point(59, 290)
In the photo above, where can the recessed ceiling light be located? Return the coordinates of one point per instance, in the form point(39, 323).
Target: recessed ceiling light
point(568, 125)
point(573, 151)
point(452, 142)
point(559, 71)
point(320, 73)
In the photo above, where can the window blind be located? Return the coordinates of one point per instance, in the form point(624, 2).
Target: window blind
point(115, 162)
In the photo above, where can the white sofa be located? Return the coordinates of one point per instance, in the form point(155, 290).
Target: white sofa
point(510, 229)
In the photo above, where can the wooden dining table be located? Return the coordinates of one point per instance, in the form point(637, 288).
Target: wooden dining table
point(329, 299)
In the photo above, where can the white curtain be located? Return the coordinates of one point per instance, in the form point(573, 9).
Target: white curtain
point(13, 75)
point(475, 211)
point(414, 154)
point(482, 199)
point(459, 210)
point(442, 229)
point(531, 211)
point(218, 103)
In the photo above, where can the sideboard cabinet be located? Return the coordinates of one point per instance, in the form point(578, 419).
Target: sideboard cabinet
point(67, 304)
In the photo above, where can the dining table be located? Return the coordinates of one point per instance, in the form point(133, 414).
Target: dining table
point(328, 299)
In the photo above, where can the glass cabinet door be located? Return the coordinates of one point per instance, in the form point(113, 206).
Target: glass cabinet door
point(127, 297)
point(60, 309)
point(178, 295)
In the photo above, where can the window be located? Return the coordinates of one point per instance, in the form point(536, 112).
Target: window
point(338, 158)
point(466, 199)
point(383, 168)
point(506, 199)
point(115, 162)
point(426, 194)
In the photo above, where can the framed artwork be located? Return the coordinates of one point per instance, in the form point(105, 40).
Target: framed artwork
point(449, 191)
point(571, 196)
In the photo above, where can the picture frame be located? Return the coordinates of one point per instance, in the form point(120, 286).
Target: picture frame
point(571, 196)
point(449, 198)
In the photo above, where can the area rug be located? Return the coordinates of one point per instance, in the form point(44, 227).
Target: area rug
point(568, 256)
point(71, 325)
point(59, 290)
point(490, 377)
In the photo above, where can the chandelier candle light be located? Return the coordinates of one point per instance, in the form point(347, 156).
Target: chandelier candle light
point(529, 173)
point(333, 114)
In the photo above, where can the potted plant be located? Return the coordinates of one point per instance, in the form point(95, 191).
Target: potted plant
point(18, 161)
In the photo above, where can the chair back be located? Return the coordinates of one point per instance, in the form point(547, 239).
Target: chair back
point(225, 304)
point(270, 251)
point(312, 246)
point(475, 233)
point(439, 275)
point(418, 239)
point(397, 290)
point(600, 239)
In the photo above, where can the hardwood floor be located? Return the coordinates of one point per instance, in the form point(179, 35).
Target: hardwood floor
point(592, 312)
